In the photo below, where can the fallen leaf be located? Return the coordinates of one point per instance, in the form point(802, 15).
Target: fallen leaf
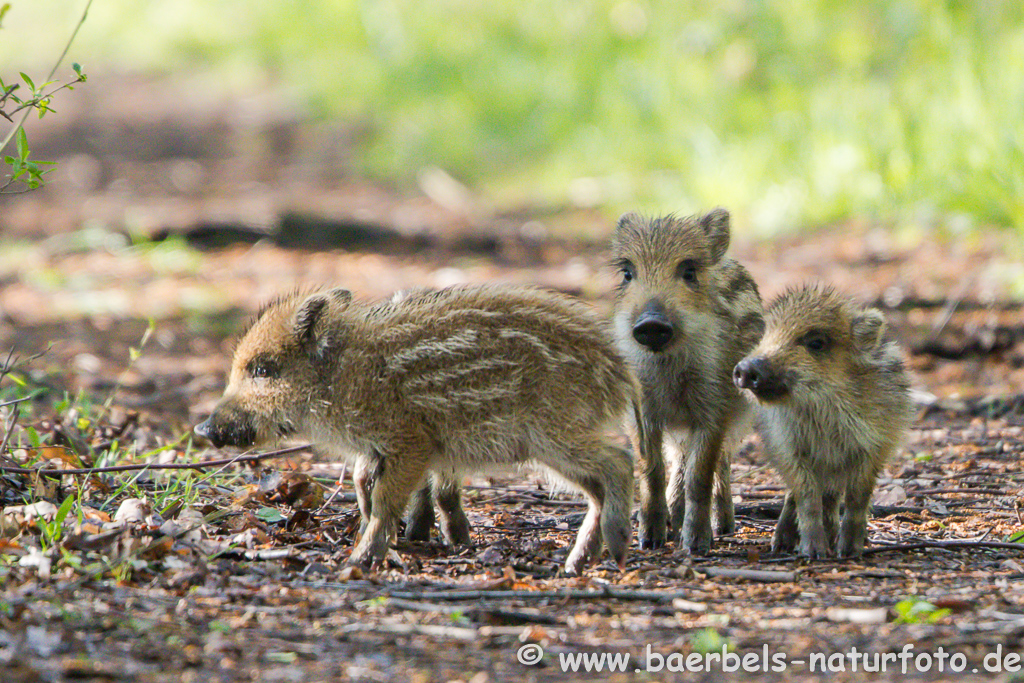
point(26, 515)
point(890, 495)
point(134, 511)
point(681, 605)
point(37, 559)
point(858, 615)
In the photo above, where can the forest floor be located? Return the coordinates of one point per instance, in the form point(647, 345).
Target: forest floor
point(237, 573)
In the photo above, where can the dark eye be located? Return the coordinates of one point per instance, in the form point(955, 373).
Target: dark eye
point(687, 272)
point(263, 368)
point(626, 271)
point(816, 341)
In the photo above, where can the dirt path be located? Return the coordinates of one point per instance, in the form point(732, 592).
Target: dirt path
point(258, 591)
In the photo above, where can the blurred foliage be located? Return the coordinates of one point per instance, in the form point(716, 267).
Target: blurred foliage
point(790, 112)
point(17, 101)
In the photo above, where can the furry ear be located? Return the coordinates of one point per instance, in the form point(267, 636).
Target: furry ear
point(716, 227)
point(341, 298)
point(309, 313)
point(867, 329)
point(628, 218)
point(316, 328)
point(627, 225)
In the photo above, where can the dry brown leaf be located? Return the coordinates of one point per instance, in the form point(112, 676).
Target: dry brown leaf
point(350, 574)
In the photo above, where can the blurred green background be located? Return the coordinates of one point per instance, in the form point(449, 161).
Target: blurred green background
point(792, 113)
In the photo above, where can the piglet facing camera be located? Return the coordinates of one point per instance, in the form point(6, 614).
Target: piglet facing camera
point(684, 315)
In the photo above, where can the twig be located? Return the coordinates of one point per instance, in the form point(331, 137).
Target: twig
point(919, 545)
point(978, 491)
point(41, 97)
point(151, 466)
point(946, 314)
point(337, 489)
point(7, 363)
point(760, 575)
point(570, 594)
point(9, 428)
point(752, 471)
point(19, 400)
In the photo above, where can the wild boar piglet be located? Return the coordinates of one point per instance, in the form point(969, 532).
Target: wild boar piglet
point(684, 315)
point(833, 406)
point(438, 383)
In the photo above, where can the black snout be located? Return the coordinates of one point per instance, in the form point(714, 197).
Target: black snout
point(203, 429)
point(653, 329)
point(240, 434)
point(758, 375)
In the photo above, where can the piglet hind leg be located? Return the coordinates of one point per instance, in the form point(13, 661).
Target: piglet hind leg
point(607, 482)
point(830, 517)
point(448, 495)
point(420, 519)
point(364, 477)
point(675, 492)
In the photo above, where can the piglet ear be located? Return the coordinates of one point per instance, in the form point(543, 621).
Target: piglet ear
point(317, 325)
point(628, 218)
point(340, 298)
point(308, 315)
point(867, 329)
point(626, 230)
point(716, 227)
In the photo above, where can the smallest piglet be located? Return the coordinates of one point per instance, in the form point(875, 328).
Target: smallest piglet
point(833, 405)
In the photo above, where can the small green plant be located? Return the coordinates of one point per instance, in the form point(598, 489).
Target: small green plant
point(458, 617)
point(51, 533)
point(1016, 537)
point(16, 104)
point(282, 657)
point(270, 515)
point(708, 640)
point(915, 611)
point(219, 626)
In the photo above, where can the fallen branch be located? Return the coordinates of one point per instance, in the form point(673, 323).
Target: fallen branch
point(481, 615)
point(568, 594)
point(255, 457)
point(919, 545)
point(760, 575)
point(19, 400)
point(608, 592)
point(913, 493)
point(435, 631)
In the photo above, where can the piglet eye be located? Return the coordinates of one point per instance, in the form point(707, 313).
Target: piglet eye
point(627, 271)
point(816, 341)
point(263, 368)
point(687, 272)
